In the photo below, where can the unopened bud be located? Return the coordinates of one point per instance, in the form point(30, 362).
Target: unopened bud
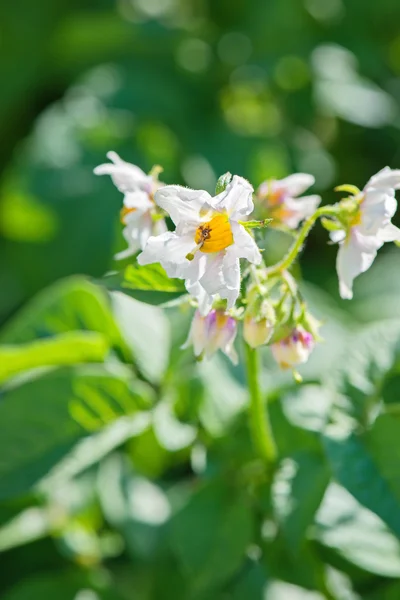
point(222, 182)
point(257, 332)
point(294, 349)
point(259, 320)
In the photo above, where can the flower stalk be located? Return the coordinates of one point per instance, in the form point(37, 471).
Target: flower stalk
point(260, 426)
point(288, 260)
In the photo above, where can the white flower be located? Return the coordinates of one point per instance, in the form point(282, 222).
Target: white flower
point(280, 199)
point(295, 349)
point(208, 241)
point(368, 230)
point(216, 331)
point(139, 208)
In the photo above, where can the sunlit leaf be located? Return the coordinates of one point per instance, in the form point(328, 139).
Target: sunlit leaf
point(368, 466)
point(149, 283)
point(63, 349)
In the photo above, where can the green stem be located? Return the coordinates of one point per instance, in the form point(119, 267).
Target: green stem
point(291, 256)
point(259, 421)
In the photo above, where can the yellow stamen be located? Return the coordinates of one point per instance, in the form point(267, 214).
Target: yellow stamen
point(356, 220)
point(125, 212)
point(214, 235)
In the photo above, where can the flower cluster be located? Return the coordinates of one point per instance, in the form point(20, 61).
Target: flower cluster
point(214, 250)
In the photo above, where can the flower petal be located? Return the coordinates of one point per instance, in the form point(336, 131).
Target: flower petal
point(356, 254)
point(231, 353)
point(204, 299)
point(182, 204)
point(231, 274)
point(170, 250)
point(386, 178)
point(138, 199)
point(244, 244)
point(296, 184)
point(125, 176)
point(222, 276)
point(236, 199)
point(337, 236)
point(377, 208)
point(197, 335)
point(390, 233)
point(300, 209)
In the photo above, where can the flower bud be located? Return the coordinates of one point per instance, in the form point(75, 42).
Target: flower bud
point(216, 331)
point(257, 332)
point(259, 322)
point(294, 349)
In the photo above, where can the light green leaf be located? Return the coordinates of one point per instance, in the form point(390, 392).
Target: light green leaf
point(308, 406)
point(146, 330)
point(63, 349)
point(148, 284)
point(224, 397)
point(281, 590)
point(357, 534)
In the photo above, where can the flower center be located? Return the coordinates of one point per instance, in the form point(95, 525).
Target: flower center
point(214, 235)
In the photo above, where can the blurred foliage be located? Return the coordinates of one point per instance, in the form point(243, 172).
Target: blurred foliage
point(126, 469)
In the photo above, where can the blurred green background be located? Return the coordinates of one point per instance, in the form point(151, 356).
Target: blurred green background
point(126, 470)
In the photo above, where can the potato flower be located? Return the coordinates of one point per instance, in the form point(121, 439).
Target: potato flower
point(280, 199)
point(208, 241)
point(216, 331)
point(368, 227)
point(139, 214)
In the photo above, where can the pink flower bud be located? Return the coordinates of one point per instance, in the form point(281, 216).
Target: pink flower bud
point(294, 349)
point(216, 331)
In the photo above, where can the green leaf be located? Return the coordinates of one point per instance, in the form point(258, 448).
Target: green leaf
point(63, 585)
point(42, 418)
point(357, 534)
point(221, 525)
point(368, 466)
point(90, 450)
point(146, 330)
point(73, 304)
point(148, 284)
point(373, 352)
point(281, 590)
point(224, 397)
point(297, 491)
point(252, 584)
point(385, 592)
point(308, 406)
point(63, 349)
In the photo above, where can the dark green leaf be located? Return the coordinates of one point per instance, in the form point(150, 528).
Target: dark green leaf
point(368, 466)
point(298, 488)
point(68, 405)
point(210, 535)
